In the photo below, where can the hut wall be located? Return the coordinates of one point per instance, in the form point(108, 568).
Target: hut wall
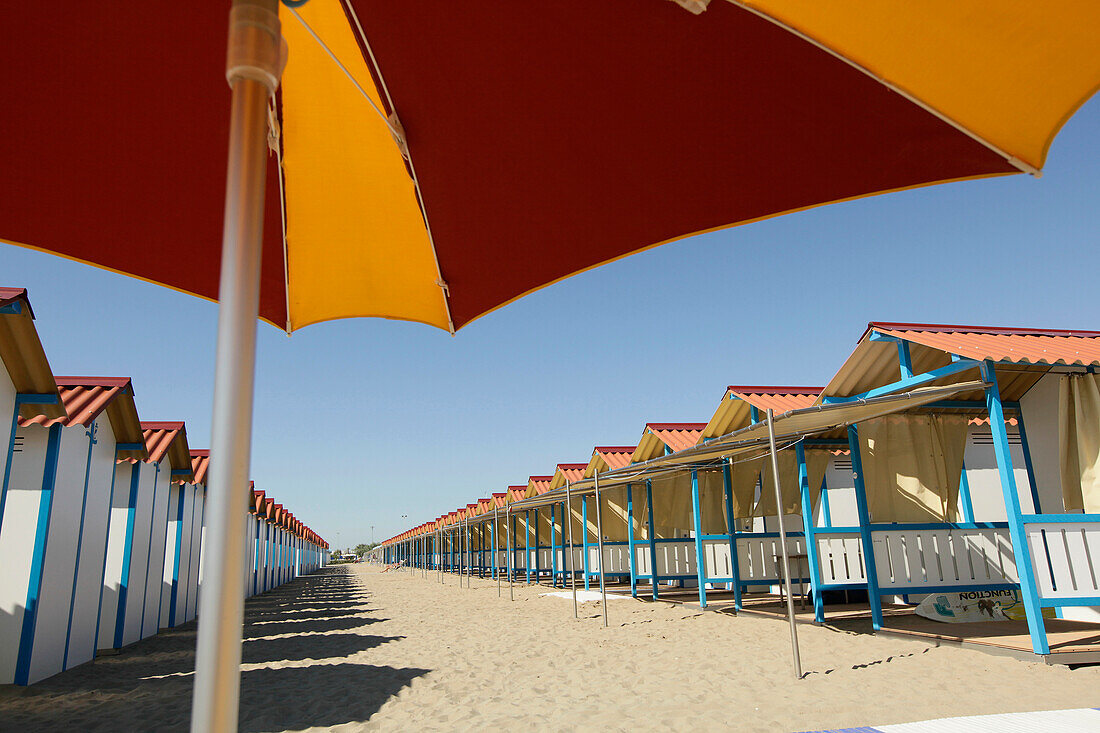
point(93, 545)
point(158, 527)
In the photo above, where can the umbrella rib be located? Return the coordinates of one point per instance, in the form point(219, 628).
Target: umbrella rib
point(440, 282)
point(399, 138)
point(276, 143)
point(1021, 165)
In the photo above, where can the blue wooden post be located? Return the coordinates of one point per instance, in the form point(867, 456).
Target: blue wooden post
point(652, 536)
point(536, 561)
point(1027, 462)
point(493, 551)
point(630, 539)
point(865, 530)
point(826, 515)
point(584, 539)
point(1028, 589)
point(731, 529)
point(808, 529)
point(700, 568)
point(964, 497)
point(527, 545)
point(553, 548)
point(38, 558)
point(127, 553)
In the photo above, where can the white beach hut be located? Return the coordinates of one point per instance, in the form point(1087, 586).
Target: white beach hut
point(134, 568)
point(178, 546)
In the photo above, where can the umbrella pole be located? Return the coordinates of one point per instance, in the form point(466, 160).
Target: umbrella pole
point(254, 43)
point(599, 545)
point(783, 546)
point(572, 574)
point(508, 530)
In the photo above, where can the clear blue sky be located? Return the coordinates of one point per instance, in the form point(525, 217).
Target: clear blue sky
point(359, 422)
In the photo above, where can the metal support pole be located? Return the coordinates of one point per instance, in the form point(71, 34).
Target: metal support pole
point(599, 545)
point(568, 564)
point(216, 695)
point(783, 546)
point(509, 535)
point(496, 543)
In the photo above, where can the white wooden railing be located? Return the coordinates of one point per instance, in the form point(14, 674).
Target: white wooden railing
point(1066, 558)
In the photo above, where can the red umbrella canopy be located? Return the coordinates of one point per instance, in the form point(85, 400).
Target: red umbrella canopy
point(541, 139)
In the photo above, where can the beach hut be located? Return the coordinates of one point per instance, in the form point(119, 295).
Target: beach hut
point(515, 531)
point(178, 544)
point(537, 531)
point(59, 491)
point(564, 474)
point(191, 561)
point(1028, 432)
point(136, 539)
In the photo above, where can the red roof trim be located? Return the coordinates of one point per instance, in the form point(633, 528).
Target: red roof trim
point(675, 425)
point(170, 425)
point(92, 381)
point(564, 467)
point(1004, 330)
point(761, 389)
point(615, 448)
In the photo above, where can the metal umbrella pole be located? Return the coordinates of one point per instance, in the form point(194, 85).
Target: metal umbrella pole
point(572, 575)
point(599, 545)
point(496, 543)
point(783, 545)
point(253, 68)
point(508, 530)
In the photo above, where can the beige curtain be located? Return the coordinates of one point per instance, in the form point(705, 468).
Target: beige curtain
point(912, 465)
point(1079, 441)
point(672, 506)
point(816, 463)
point(745, 477)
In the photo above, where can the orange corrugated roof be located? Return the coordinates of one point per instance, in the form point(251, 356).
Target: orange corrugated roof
point(540, 484)
point(167, 438)
point(83, 398)
point(615, 456)
point(779, 399)
point(1019, 345)
point(677, 436)
point(200, 463)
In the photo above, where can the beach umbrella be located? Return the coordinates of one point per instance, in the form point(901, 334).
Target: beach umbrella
point(432, 161)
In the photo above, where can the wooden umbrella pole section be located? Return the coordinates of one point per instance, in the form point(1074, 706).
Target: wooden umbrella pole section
point(783, 546)
point(599, 546)
point(253, 69)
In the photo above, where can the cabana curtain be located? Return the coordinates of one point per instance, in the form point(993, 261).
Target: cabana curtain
point(1079, 441)
point(816, 463)
point(912, 466)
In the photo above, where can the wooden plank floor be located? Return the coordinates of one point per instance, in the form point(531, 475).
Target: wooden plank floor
point(1064, 637)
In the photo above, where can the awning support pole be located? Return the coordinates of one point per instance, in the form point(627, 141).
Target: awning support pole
point(809, 529)
point(731, 528)
point(216, 695)
point(599, 546)
point(510, 534)
point(569, 558)
point(652, 537)
point(783, 546)
point(700, 561)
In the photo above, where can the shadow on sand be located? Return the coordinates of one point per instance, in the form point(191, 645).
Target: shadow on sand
point(148, 685)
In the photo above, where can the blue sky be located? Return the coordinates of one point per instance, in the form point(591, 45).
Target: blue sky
point(360, 422)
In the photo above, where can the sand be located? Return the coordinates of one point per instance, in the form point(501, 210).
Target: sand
point(357, 649)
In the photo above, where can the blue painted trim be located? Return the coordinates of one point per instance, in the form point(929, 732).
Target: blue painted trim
point(181, 472)
point(20, 400)
point(651, 535)
point(911, 383)
point(255, 556)
point(823, 500)
point(870, 568)
point(128, 446)
point(1036, 504)
point(527, 546)
point(890, 527)
point(905, 361)
point(553, 547)
point(905, 589)
point(964, 497)
point(103, 570)
point(824, 443)
point(38, 558)
point(731, 532)
point(91, 433)
point(1028, 588)
point(176, 564)
point(808, 530)
point(1058, 518)
point(127, 552)
point(11, 309)
point(1066, 602)
point(696, 513)
point(149, 555)
point(754, 414)
point(584, 540)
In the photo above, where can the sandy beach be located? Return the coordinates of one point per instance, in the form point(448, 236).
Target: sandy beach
point(353, 648)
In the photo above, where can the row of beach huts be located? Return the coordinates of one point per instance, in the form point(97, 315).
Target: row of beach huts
point(952, 463)
point(102, 515)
